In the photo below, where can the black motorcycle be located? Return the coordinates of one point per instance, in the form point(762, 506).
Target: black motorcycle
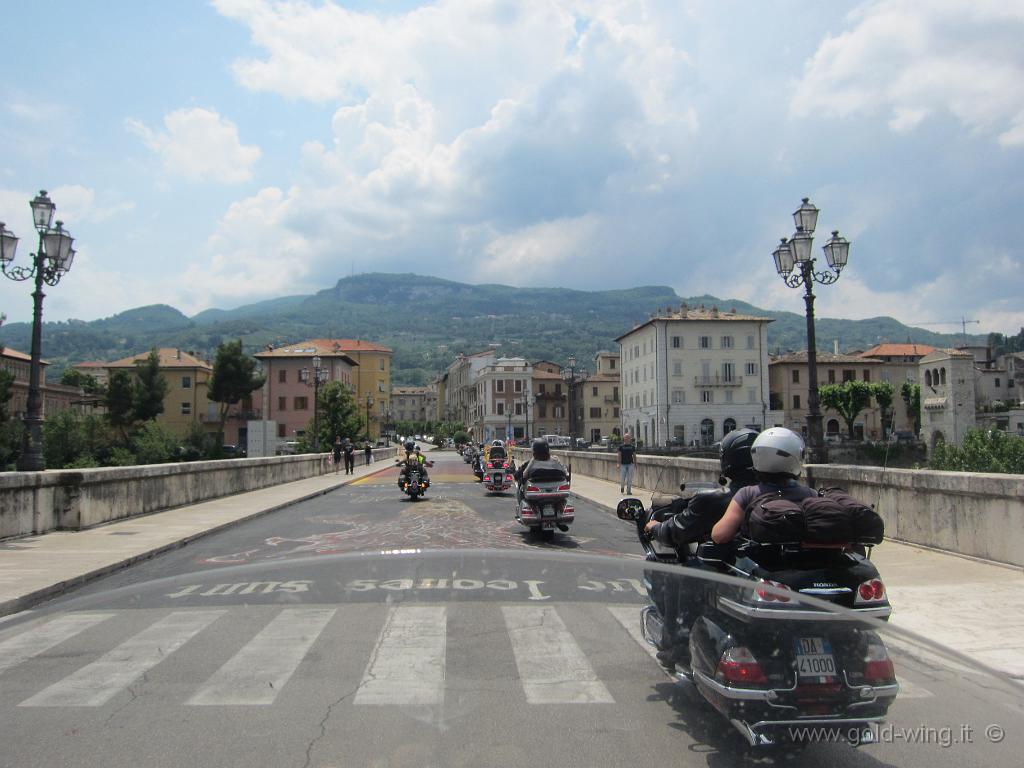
point(762, 648)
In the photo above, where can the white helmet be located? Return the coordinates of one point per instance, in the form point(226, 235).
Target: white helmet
point(778, 451)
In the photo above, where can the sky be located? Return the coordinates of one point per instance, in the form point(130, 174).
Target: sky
point(213, 154)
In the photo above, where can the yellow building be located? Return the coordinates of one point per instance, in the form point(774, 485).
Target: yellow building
point(188, 380)
point(371, 377)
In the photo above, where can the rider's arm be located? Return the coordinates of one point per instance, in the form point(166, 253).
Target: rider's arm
point(726, 528)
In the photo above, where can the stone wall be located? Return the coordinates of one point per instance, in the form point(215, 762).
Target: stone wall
point(37, 502)
point(980, 515)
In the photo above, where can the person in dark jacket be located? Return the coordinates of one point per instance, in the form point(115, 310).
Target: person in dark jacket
point(336, 451)
point(368, 453)
point(626, 460)
point(540, 462)
point(350, 457)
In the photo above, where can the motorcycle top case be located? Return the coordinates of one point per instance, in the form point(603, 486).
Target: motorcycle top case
point(831, 517)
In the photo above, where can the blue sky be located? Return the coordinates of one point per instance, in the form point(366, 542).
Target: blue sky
point(214, 154)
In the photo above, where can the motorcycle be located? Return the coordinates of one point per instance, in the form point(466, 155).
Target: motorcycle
point(775, 665)
point(414, 483)
point(497, 475)
point(542, 503)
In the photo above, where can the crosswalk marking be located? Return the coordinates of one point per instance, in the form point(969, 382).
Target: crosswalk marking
point(629, 617)
point(258, 672)
point(552, 667)
point(42, 638)
point(95, 684)
point(408, 663)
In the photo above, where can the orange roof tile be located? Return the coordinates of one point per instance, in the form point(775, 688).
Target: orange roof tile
point(16, 355)
point(324, 347)
point(899, 350)
point(169, 358)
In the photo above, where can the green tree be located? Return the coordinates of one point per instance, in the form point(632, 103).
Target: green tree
point(847, 399)
point(981, 451)
point(911, 395)
point(155, 444)
point(234, 378)
point(149, 388)
point(120, 403)
point(340, 416)
point(884, 392)
point(88, 384)
point(73, 439)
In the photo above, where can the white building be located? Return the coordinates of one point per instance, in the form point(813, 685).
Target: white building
point(948, 403)
point(694, 374)
point(460, 387)
point(502, 392)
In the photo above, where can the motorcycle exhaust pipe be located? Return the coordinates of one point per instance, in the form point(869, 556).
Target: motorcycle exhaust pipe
point(563, 528)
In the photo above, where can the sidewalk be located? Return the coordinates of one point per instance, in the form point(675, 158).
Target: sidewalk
point(972, 606)
point(37, 567)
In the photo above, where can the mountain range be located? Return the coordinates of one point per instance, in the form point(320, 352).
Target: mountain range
point(427, 321)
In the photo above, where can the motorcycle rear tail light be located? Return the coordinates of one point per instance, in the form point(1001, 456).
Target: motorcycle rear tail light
point(877, 664)
point(870, 591)
point(763, 593)
point(738, 666)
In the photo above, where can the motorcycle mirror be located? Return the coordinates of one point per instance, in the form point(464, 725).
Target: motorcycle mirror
point(629, 508)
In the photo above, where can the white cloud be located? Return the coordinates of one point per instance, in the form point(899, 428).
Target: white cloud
point(200, 145)
point(914, 59)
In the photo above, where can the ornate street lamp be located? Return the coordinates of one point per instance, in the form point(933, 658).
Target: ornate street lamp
point(794, 262)
point(369, 402)
point(49, 264)
point(319, 375)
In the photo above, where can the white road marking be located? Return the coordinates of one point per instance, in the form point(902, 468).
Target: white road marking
point(35, 641)
point(909, 690)
point(258, 672)
point(408, 662)
point(96, 683)
point(552, 667)
point(629, 617)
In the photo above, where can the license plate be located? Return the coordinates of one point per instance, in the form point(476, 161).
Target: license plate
point(814, 657)
point(547, 512)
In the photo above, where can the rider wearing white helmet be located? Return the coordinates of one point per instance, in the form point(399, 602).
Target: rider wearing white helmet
point(777, 454)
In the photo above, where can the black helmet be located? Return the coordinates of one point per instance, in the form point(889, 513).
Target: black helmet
point(735, 452)
point(409, 445)
point(541, 450)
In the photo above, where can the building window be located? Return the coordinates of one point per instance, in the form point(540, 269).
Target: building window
point(707, 396)
point(611, 363)
point(886, 376)
point(282, 403)
point(542, 410)
point(519, 409)
point(867, 374)
point(997, 382)
point(796, 402)
point(281, 431)
point(301, 403)
point(615, 412)
point(750, 342)
point(499, 385)
point(678, 397)
point(380, 363)
point(796, 375)
point(677, 342)
point(728, 372)
point(282, 376)
point(943, 372)
point(558, 389)
point(615, 394)
point(728, 426)
point(500, 408)
point(705, 342)
point(751, 395)
point(595, 413)
point(595, 391)
point(380, 386)
point(186, 409)
point(831, 375)
point(677, 368)
point(751, 369)
point(540, 388)
point(728, 395)
point(559, 412)
point(186, 382)
point(727, 342)
point(849, 375)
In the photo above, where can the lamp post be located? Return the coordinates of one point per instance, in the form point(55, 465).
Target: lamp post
point(528, 400)
point(569, 375)
point(795, 265)
point(49, 264)
point(318, 376)
point(369, 402)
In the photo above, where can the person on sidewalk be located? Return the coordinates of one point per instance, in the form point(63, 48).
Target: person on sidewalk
point(368, 453)
point(336, 451)
point(627, 463)
point(350, 457)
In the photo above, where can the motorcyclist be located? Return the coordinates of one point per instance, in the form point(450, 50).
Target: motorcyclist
point(405, 463)
point(777, 456)
point(540, 461)
point(423, 464)
point(678, 606)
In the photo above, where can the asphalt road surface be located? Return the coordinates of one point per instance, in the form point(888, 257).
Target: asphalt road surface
point(324, 635)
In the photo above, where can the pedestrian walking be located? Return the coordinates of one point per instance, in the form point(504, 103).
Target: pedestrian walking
point(336, 451)
point(368, 453)
point(350, 457)
point(627, 463)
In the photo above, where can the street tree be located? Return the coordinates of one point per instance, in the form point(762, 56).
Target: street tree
point(911, 395)
point(87, 383)
point(847, 399)
point(235, 377)
point(149, 388)
point(981, 451)
point(120, 403)
point(339, 413)
point(884, 393)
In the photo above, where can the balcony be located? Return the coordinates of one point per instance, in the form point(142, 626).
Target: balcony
point(611, 400)
point(717, 381)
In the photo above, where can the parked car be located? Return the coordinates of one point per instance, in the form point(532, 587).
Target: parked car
point(287, 448)
point(901, 436)
point(233, 451)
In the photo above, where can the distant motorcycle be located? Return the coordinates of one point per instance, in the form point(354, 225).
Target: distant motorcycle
point(497, 475)
point(413, 483)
